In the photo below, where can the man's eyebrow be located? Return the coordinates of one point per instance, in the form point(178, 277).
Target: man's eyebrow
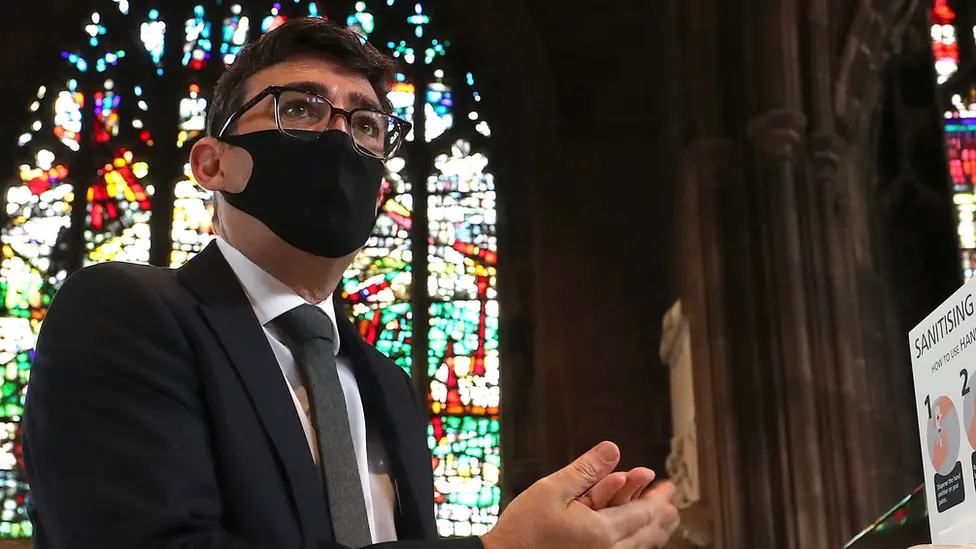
point(311, 86)
point(356, 99)
point(361, 100)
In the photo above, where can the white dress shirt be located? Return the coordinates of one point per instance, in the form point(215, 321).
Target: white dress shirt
point(270, 298)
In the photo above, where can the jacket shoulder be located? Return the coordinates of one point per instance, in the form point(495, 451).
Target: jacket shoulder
point(115, 278)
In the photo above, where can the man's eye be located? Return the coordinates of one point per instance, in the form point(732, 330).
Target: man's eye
point(299, 109)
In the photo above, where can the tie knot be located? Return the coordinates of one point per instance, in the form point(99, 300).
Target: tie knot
point(305, 323)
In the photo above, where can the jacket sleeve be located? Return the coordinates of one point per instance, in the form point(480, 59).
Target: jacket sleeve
point(116, 445)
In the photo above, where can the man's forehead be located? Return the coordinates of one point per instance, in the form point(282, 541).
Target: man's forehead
point(316, 75)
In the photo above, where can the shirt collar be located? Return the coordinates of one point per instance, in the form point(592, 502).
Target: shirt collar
point(268, 296)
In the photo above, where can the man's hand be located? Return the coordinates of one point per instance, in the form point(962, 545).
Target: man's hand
point(618, 488)
point(549, 514)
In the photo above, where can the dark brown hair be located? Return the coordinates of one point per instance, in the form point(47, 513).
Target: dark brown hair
point(303, 36)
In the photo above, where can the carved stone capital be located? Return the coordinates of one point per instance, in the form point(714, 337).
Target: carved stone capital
point(682, 468)
point(826, 149)
point(695, 530)
point(777, 134)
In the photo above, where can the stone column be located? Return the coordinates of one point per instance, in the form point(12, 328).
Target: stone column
point(783, 382)
point(711, 162)
point(848, 452)
point(784, 376)
point(850, 455)
point(710, 167)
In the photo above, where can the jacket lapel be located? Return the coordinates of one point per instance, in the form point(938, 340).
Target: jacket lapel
point(386, 396)
point(229, 314)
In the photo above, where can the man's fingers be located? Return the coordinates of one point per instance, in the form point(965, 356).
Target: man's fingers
point(649, 537)
point(600, 495)
point(637, 480)
point(660, 489)
point(646, 476)
point(583, 474)
point(653, 508)
point(618, 488)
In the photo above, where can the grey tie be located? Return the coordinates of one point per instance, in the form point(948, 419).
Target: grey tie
point(310, 333)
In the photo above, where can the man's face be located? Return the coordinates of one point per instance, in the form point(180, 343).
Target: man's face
point(347, 90)
point(218, 166)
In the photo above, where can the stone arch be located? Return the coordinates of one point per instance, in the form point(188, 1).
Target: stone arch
point(867, 46)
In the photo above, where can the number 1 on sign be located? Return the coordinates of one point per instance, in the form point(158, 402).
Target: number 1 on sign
point(964, 374)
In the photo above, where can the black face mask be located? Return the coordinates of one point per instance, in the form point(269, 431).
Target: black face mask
point(319, 196)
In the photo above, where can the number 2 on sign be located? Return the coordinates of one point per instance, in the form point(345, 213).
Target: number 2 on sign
point(964, 374)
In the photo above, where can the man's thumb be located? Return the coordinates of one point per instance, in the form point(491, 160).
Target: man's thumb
point(579, 476)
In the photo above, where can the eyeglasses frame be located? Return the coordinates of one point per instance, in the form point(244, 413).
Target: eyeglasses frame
point(275, 92)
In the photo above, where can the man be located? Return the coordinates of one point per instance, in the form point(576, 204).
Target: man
point(230, 404)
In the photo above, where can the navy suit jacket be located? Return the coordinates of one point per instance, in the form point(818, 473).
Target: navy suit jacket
point(157, 417)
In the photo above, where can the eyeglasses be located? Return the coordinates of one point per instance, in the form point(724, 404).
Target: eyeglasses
point(306, 116)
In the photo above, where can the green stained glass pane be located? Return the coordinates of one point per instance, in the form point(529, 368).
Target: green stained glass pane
point(466, 472)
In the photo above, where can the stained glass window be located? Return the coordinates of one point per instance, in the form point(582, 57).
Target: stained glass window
point(960, 131)
point(103, 176)
point(944, 43)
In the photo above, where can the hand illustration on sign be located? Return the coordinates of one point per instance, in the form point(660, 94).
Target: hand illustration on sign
point(943, 434)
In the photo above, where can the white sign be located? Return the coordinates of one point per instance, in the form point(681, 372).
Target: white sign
point(943, 349)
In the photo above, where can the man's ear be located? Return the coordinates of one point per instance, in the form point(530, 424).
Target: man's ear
point(379, 196)
point(217, 166)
